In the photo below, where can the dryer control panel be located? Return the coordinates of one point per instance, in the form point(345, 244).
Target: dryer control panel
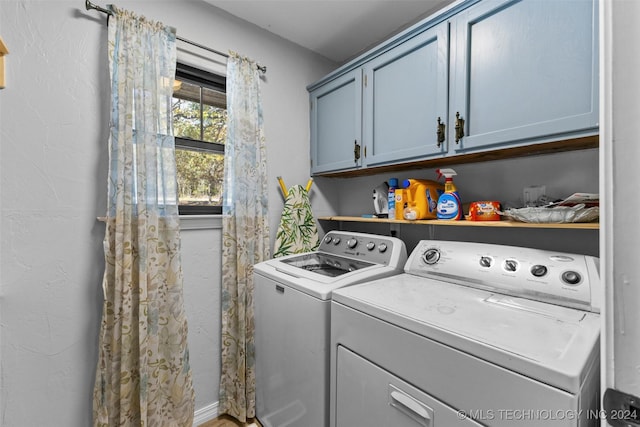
point(565, 279)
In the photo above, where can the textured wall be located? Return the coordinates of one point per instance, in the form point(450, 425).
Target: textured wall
point(53, 137)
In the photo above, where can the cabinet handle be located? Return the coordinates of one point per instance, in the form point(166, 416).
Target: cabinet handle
point(440, 132)
point(459, 127)
point(356, 151)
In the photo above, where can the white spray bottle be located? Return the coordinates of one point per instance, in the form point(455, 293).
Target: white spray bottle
point(449, 204)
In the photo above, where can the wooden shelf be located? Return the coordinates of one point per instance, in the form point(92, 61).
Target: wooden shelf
point(497, 224)
point(581, 143)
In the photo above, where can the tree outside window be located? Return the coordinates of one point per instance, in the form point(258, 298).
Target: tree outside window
point(200, 128)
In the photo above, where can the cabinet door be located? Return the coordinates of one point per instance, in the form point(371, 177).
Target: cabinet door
point(524, 71)
point(405, 93)
point(336, 111)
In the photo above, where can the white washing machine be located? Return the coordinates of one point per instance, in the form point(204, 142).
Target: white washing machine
point(292, 321)
point(471, 334)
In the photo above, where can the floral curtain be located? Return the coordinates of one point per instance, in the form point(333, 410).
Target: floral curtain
point(245, 241)
point(143, 376)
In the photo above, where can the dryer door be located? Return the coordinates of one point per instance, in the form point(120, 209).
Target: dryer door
point(367, 395)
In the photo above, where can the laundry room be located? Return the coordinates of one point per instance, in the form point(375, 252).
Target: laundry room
point(302, 289)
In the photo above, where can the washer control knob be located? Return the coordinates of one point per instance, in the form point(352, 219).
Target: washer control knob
point(382, 247)
point(352, 243)
point(486, 261)
point(371, 246)
point(511, 265)
point(539, 270)
point(336, 240)
point(431, 256)
point(327, 239)
point(571, 277)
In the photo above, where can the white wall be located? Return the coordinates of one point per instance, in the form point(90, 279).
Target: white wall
point(54, 114)
point(620, 229)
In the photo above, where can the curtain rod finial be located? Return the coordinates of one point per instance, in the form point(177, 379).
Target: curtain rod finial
point(90, 6)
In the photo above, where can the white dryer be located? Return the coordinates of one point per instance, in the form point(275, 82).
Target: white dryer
point(292, 320)
point(470, 334)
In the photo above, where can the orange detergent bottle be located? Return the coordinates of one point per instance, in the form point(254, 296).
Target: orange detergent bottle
point(421, 198)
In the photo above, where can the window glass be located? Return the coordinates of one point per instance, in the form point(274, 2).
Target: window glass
point(214, 116)
point(186, 110)
point(200, 177)
point(200, 128)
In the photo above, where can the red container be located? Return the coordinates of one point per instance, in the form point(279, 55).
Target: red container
point(484, 211)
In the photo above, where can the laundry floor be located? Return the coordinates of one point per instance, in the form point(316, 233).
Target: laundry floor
point(227, 421)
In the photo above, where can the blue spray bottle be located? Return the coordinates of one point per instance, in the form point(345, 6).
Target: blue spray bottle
point(449, 204)
point(393, 184)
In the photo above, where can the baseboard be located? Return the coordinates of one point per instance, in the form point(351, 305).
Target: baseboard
point(205, 414)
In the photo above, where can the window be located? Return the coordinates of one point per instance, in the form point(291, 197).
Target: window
point(199, 111)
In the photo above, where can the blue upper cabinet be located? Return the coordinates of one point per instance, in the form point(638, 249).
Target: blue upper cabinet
point(336, 117)
point(405, 97)
point(481, 77)
point(523, 72)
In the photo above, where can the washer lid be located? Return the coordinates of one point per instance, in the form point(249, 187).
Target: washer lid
point(326, 264)
point(315, 284)
point(553, 344)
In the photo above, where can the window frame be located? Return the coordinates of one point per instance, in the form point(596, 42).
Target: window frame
point(212, 81)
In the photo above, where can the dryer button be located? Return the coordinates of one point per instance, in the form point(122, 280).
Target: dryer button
point(571, 278)
point(539, 270)
point(511, 265)
point(431, 256)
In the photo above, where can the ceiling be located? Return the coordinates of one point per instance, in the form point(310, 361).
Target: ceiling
point(336, 29)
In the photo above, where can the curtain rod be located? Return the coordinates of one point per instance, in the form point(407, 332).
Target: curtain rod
point(90, 6)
